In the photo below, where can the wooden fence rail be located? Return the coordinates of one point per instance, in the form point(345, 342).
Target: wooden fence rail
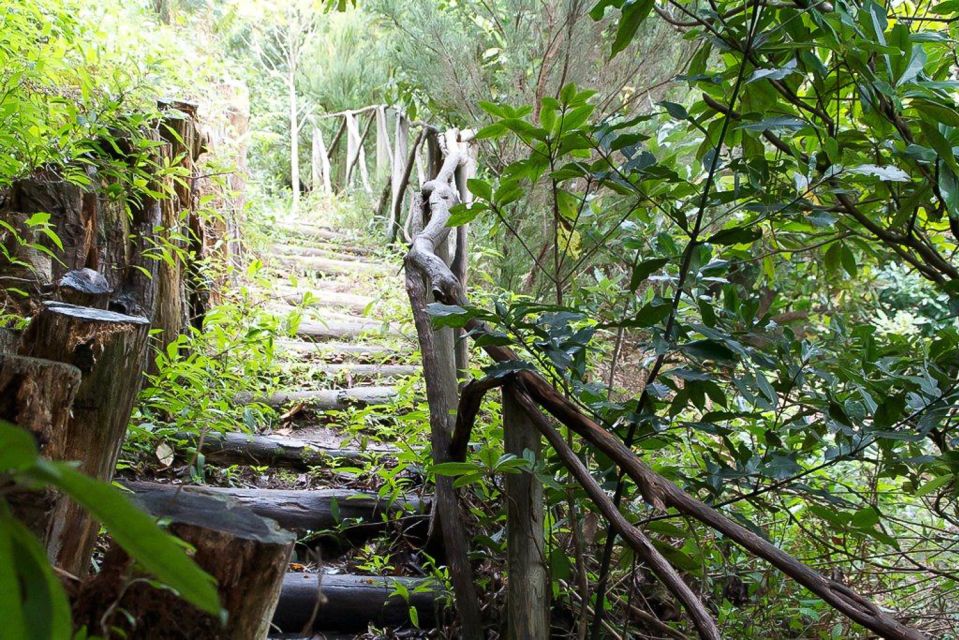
point(388, 130)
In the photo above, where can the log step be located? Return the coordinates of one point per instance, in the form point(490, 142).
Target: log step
point(332, 265)
point(323, 298)
point(357, 351)
point(337, 251)
point(343, 329)
point(299, 511)
point(273, 450)
point(367, 371)
point(353, 602)
point(326, 399)
point(313, 231)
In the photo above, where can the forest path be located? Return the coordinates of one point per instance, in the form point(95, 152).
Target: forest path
point(354, 354)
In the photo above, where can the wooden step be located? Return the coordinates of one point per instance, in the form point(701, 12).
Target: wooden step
point(335, 251)
point(344, 328)
point(326, 399)
point(353, 602)
point(335, 350)
point(322, 298)
point(299, 511)
point(314, 231)
point(355, 370)
point(332, 265)
point(273, 450)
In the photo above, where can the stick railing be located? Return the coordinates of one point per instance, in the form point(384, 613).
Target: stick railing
point(433, 275)
point(388, 129)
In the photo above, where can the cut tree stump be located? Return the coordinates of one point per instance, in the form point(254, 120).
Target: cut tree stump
point(85, 288)
point(37, 395)
point(246, 553)
point(109, 349)
point(275, 451)
point(314, 510)
point(326, 399)
point(352, 602)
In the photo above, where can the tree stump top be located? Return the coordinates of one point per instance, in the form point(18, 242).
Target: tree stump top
point(92, 315)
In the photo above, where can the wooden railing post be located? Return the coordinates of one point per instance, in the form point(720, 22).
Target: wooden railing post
point(527, 595)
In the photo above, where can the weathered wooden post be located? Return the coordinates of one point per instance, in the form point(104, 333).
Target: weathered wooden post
point(320, 161)
point(109, 349)
point(527, 596)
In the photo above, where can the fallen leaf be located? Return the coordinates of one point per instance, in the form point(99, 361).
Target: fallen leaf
point(165, 454)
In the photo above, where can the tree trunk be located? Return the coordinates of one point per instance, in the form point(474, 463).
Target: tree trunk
point(109, 350)
point(247, 554)
point(352, 603)
point(528, 593)
point(294, 141)
point(37, 395)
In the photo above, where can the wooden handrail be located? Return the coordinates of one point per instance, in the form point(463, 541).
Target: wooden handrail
point(423, 264)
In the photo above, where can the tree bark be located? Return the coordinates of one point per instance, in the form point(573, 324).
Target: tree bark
point(37, 395)
point(247, 554)
point(527, 595)
point(109, 349)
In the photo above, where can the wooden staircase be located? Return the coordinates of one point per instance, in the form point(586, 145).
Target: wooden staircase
point(332, 281)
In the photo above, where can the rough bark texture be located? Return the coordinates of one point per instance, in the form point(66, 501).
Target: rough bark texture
point(109, 350)
point(351, 603)
point(37, 395)
point(527, 593)
point(247, 554)
point(299, 510)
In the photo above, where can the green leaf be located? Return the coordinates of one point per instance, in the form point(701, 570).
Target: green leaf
point(709, 350)
point(46, 612)
point(155, 550)
point(18, 450)
point(935, 484)
point(455, 468)
point(634, 13)
point(645, 269)
point(736, 235)
point(448, 315)
point(480, 188)
point(11, 612)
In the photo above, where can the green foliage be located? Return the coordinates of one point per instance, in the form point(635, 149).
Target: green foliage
point(33, 602)
point(754, 249)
